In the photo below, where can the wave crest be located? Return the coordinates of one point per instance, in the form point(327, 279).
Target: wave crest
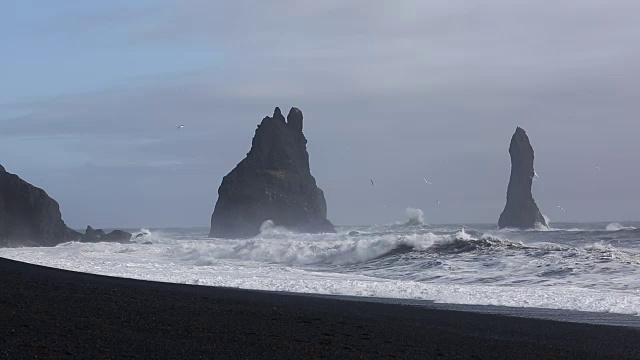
point(279, 248)
point(283, 250)
point(618, 227)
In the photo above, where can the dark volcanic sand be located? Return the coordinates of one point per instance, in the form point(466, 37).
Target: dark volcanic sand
point(50, 313)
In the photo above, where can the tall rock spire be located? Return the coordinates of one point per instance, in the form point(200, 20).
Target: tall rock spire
point(521, 211)
point(273, 182)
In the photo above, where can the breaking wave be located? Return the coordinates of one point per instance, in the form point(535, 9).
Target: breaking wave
point(618, 227)
point(416, 217)
point(273, 248)
point(587, 268)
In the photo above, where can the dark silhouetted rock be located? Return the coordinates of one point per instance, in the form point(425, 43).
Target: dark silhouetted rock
point(521, 211)
point(117, 236)
point(28, 216)
point(98, 235)
point(92, 235)
point(273, 182)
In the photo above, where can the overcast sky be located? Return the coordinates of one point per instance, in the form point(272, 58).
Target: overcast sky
point(396, 91)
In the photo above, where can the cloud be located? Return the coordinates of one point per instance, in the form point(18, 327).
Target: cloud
point(393, 91)
point(525, 55)
point(78, 20)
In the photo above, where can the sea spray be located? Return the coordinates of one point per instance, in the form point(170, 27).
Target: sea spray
point(416, 217)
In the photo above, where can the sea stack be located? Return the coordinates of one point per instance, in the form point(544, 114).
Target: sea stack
point(521, 211)
point(98, 235)
point(28, 216)
point(273, 182)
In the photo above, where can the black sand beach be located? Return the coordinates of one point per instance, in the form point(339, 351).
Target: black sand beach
point(50, 313)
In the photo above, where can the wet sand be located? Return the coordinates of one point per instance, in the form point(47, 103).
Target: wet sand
point(50, 313)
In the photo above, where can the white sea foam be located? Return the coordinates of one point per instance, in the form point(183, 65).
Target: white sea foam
point(416, 216)
point(276, 248)
point(541, 227)
point(462, 235)
point(618, 227)
point(461, 267)
point(136, 264)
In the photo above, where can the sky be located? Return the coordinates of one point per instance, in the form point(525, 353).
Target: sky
point(92, 93)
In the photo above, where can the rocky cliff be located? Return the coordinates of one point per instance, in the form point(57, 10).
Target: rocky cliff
point(273, 182)
point(521, 211)
point(28, 216)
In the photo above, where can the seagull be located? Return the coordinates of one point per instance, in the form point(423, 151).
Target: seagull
point(428, 183)
point(560, 207)
point(437, 201)
point(180, 127)
point(598, 168)
point(371, 181)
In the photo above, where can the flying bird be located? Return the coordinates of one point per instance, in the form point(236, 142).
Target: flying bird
point(371, 181)
point(560, 207)
point(428, 183)
point(180, 127)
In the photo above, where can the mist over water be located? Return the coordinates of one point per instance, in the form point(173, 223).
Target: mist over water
point(416, 216)
point(588, 267)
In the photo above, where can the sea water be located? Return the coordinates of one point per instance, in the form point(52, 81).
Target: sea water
point(586, 267)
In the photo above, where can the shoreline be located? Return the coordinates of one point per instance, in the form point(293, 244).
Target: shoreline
point(56, 313)
point(544, 313)
point(558, 315)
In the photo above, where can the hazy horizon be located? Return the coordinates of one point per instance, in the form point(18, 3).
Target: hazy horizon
point(394, 92)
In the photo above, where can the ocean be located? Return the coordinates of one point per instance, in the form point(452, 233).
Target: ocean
point(591, 267)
